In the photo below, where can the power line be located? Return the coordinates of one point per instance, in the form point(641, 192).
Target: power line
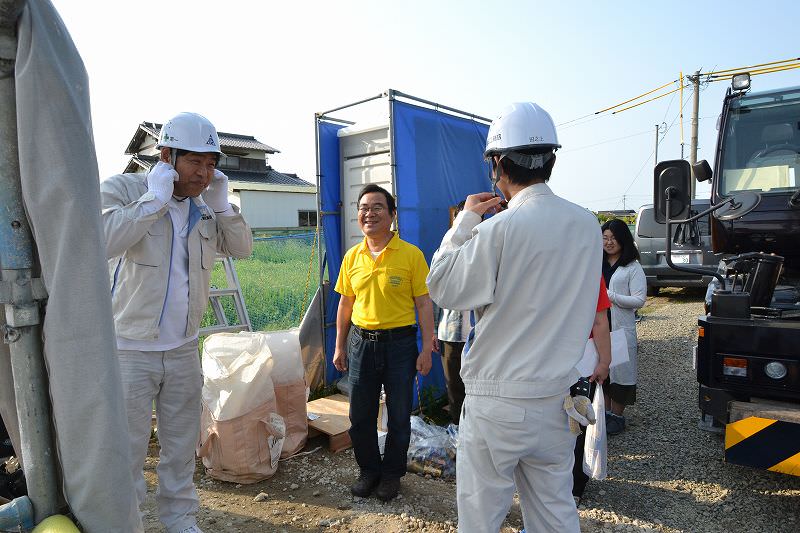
point(648, 132)
point(649, 100)
point(633, 197)
point(714, 75)
point(652, 152)
point(635, 98)
point(575, 120)
point(608, 141)
point(743, 69)
point(594, 117)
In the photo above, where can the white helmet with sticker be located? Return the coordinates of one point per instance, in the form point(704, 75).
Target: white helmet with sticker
point(521, 127)
point(190, 132)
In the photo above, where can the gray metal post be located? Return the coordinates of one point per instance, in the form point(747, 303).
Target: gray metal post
point(392, 160)
point(19, 292)
point(320, 260)
point(655, 158)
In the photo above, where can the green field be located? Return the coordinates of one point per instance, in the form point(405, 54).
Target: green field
point(276, 283)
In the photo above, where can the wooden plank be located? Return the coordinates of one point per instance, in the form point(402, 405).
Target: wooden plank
point(337, 443)
point(783, 411)
point(333, 414)
point(334, 420)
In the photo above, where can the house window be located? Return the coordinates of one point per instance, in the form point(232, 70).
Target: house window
point(307, 219)
point(228, 161)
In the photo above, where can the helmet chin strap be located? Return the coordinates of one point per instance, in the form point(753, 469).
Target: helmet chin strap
point(173, 158)
point(493, 175)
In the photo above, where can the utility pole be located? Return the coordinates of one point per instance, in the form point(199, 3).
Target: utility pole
point(660, 128)
point(655, 158)
point(695, 112)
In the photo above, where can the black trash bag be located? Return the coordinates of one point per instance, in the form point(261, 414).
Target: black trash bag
point(12, 484)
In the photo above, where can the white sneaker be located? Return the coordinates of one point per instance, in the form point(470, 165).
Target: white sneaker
point(192, 529)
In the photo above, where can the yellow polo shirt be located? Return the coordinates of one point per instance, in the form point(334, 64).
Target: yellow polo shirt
point(385, 287)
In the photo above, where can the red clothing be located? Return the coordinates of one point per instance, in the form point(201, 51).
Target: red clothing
point(603, 302)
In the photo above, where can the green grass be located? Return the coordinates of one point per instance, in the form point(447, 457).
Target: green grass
point(275, 283)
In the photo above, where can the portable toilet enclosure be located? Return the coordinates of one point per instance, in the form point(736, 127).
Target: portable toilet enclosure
point(429, 156)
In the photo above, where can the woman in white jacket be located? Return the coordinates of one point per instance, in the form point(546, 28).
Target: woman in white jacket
point(627, 290)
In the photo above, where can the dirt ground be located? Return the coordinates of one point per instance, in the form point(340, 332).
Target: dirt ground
point(311, 493)
point(664, 473)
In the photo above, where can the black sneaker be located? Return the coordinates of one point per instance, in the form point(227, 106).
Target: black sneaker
point(388, 488)
point(615, 424)
point(365, 484)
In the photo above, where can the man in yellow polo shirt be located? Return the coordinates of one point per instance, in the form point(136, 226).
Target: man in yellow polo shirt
point(382, 283)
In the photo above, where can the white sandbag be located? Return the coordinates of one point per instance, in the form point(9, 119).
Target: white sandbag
point(237, 373)
point(287, 361)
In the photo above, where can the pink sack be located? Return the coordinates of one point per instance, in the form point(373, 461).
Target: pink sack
point(245, 449)
point(291, 402)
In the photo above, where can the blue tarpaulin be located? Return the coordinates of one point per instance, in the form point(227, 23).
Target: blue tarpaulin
point(330, 204)
point(438, 161)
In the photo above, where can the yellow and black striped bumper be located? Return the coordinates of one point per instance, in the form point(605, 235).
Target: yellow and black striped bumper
point(764, 443)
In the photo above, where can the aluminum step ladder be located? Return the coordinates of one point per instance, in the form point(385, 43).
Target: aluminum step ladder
point(215, 299)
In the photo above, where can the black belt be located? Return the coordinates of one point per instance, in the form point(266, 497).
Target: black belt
point(384, 335)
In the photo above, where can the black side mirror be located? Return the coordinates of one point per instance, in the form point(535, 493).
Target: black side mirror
point(673, 179)
point(702, 171)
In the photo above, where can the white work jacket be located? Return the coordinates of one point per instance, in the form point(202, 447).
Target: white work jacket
point(530, 273)
point(139, 252)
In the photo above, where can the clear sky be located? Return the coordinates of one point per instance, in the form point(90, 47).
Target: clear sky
point(264, 68)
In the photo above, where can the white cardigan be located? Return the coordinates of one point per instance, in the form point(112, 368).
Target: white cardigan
point(627, 291)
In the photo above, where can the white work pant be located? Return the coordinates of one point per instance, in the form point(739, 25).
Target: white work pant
point(174, 380)
point(526, 442)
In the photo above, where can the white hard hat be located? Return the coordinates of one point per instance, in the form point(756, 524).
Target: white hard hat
point(521, 126)
point(190, 132)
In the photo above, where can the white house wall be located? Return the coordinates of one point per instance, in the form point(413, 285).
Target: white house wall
point(268, 209)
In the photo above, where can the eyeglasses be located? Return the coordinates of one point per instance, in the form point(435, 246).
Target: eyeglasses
point(377, 209)
point(609, 239)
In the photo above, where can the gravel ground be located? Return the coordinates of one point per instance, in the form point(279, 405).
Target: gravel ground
point(665, 474)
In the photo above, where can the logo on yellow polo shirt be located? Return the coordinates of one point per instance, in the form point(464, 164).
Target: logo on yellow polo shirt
point(395, 281)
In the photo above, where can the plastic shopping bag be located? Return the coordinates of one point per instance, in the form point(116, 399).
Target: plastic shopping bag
point(595, 453)
point(432, 449)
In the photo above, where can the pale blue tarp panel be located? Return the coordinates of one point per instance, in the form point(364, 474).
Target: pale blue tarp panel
point(438, 162)
point(330, 194)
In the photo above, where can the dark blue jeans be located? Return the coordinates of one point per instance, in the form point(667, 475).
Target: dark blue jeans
point(393, 365)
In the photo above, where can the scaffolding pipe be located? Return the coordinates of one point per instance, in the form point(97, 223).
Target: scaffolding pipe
point(397, 94)
point(323, 298)
point(23, 329)
point(365, 100)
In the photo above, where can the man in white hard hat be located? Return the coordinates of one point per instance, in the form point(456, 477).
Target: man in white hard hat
point(163, 233)
point(530, 274)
